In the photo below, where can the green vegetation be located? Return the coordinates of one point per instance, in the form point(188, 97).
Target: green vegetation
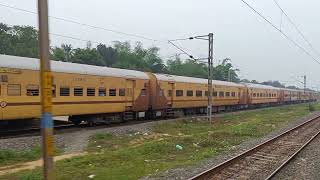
point(23, 41)
point(136, 155)
point(8, 157)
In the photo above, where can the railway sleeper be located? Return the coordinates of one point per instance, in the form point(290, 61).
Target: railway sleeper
point(275, 156)
point(265, 157)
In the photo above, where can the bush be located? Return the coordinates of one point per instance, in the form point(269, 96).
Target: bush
point(311, 108)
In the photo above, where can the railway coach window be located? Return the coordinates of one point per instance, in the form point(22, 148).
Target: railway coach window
point(14, 90)
point(3, 78)
point(169, 93)
point(233, 94)
point(112, 92)
point(179, 92)
point(91, 91)
point(143, 92)
point(102, 91)
point(221, 94)
point(64, 91)
point(161, 92)
point(189, 93)
point(32, 90)
point(78, 91)
point(215, 93)
point(122, 92)
point(54, 90)
point(199, 93)
point(228, 94)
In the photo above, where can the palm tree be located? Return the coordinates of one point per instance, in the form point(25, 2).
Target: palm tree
point(67, 48)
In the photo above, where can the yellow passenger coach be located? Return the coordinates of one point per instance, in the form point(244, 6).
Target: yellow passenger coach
point(77, 90)
point(191, 94)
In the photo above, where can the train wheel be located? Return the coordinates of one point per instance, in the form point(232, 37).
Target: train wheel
point(91, 123)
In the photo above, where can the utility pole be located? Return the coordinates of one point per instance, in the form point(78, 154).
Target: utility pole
point(46, 92)
point(208, 38)
point(210, 64)
point(229, 75)
point(305, 83)
point(305, 87)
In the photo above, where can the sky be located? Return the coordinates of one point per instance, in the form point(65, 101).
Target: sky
point(255, 47)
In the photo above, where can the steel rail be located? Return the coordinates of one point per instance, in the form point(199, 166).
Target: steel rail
point(291, 157)
point(256, 148)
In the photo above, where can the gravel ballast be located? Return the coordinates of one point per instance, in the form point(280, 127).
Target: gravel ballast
point(306, 165)
point(72, 142)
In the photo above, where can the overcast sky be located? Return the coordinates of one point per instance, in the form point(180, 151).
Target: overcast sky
point(258, 50)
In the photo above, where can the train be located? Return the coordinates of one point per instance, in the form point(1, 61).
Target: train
point(95, 94)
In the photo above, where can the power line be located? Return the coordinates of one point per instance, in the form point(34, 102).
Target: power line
point(296, 27)
point(179, 48)
point(69, 37)
point(74, 38)
point(95, 27)
point(284, 34)
point(84, 24)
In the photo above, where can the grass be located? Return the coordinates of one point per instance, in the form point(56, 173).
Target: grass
point(11, 157)
point(136, 155)
point(8, 157)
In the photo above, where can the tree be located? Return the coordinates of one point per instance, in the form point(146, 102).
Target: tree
point(188, 68)
point(57, 54)
point(292, 87)
point(19, 41)
point(6, 46)
point(87, 56)
point(109, 54)
point(23, 41)
point(63, 53)
point(67, 49)
point(273, 83)
point(225, 71)
point(245, 80)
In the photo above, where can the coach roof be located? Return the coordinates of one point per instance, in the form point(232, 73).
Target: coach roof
point(261, 86)
point(185, 79)
point(66, 67)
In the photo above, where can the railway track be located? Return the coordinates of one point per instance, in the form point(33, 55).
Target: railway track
point(67, 127)
point(34, 131)
point(268, 158)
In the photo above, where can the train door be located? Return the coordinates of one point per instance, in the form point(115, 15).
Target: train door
point(2, 103)
point(129, 93)
point(171, 93)
point(243, 96)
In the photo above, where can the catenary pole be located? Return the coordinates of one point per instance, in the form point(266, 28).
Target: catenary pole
point(305, 83)
point(46, 92)
point(210, 64)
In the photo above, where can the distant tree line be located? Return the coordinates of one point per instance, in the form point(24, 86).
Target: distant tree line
point(23, 41)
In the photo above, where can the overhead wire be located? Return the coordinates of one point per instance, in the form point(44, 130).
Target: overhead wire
point(183, 51)
point(284, 34)
point(74, 38)
point(69, 37)
point(96, 27)
point(296, 27)
point(85, 24)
